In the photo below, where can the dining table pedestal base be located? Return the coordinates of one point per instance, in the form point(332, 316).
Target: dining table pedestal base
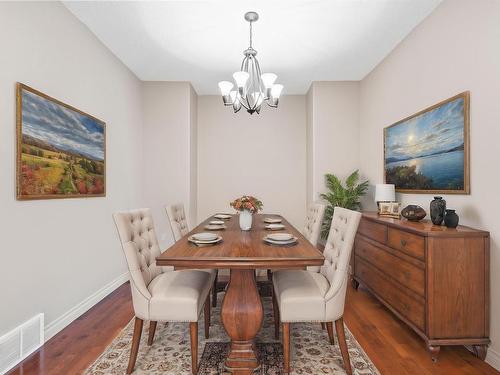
point(242, 315)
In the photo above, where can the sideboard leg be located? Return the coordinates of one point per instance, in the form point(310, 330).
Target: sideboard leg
point(434, 351)
point(355, 284)
point(480, 351)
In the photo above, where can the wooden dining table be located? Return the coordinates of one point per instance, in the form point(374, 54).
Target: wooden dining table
point(242, 252)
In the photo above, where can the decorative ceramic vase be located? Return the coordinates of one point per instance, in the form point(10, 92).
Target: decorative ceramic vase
point(451, 219)
point(245, 220)
point(413, 212)
point(438, 208)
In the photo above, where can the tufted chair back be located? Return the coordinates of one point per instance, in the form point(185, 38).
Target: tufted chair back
point(314, 219)
point(140, 245)
point(337, 254)
point(178, 221)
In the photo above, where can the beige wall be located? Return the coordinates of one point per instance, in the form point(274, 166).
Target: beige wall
point(169, 148)
point(332, 133)
point(262, 155)
point(56, 253)
point(455, 49)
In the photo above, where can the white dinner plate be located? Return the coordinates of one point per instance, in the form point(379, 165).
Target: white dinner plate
point(204, 236)
point(291, 241)
point(271, 220)
point(215, 227)
point(280, 237)
point(222, 216)
point(216, 222)
point(274, 226)
point(214, 241)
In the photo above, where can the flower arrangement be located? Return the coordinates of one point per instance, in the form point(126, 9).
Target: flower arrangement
point(248, 203)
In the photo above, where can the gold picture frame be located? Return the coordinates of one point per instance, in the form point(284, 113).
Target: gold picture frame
point(60, 150)
point(405, 170)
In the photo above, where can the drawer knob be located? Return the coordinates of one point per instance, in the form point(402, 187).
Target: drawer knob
point(403, 243)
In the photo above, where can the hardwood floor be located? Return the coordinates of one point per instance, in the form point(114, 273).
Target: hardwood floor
point(73, 349)
point(393, 347)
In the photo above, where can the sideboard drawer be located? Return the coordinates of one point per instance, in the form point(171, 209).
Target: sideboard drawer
point(409, 307)
point(396, 268)
point(406, 242)
point(375, 231)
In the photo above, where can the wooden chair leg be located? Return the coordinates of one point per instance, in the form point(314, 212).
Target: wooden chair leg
point(152, 329)
point(323, 326)
point(193, 331)
point(329, 327)
point(206, 315)
point(135, 344)
point(276, 315)
point(339, 327)
point(286, 348)
point(214, 289)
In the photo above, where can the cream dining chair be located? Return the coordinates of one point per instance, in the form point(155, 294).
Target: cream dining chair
point(304, 296)
point(180, 227)
point(159, 293)
point(178, 221)
point(314, 219)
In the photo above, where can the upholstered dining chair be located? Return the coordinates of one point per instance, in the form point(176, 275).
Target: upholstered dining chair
point(160, 293)
point(304, 296)
point(180, 227)
point(314, 219)
point(178, 221)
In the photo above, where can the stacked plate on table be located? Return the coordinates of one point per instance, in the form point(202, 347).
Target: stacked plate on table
point(223, 216)
point(205, 238)
point(280, 239)
point(272, 220)
point(215, 225)
point(274, 226)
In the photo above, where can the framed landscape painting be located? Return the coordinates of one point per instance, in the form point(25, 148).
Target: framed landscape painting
point(429, 151)
point(61, 151)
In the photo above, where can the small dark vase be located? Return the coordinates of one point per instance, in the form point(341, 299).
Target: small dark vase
point(438, 208)
point(451, 219)
point(413, 212)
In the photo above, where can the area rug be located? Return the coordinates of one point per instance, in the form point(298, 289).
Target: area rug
point(170, 353)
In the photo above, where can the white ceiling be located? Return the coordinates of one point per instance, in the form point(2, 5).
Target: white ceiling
point(299, 40)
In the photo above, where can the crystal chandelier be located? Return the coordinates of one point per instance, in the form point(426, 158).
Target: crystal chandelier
point(252, 87)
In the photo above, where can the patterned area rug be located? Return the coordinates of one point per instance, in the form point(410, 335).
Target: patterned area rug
point(170, 353)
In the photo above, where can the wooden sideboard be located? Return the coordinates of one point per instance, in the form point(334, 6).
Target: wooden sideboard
point(433, 278)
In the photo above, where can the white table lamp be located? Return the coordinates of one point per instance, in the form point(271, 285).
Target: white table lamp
point(385, 193)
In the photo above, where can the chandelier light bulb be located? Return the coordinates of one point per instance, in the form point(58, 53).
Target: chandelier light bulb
point(241, 78)
point(268, 79)
point(225, 87)
point(276, 91)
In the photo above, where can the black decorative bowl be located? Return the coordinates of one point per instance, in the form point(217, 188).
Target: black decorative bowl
point(413, 212)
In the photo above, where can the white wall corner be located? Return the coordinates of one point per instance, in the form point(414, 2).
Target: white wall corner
point(76, 311)
point(493, 359)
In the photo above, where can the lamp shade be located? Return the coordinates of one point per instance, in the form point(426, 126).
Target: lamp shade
point(385, 193)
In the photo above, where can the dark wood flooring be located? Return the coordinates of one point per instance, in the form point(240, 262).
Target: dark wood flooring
point(394, 348)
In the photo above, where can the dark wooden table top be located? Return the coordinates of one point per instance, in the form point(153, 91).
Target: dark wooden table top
point(242, 249)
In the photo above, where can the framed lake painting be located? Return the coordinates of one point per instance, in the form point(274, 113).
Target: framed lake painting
point(61, 151)
point(429, 151)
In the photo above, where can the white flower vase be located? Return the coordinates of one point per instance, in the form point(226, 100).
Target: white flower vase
point(245, 220)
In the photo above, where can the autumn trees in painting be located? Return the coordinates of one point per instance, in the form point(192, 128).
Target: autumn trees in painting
point(61, 151)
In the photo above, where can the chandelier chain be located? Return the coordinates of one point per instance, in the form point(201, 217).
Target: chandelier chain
point(251, 34)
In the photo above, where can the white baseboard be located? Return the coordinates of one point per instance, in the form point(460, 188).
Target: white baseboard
point(69, 316)
point(493, 359)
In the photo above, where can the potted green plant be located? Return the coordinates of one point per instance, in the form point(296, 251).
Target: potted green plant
point(346, 195)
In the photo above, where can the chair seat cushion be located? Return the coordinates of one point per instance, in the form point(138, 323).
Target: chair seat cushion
point(179, 295)
point(300, 295)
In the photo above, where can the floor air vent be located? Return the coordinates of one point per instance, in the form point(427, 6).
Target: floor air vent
point(20, 343)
